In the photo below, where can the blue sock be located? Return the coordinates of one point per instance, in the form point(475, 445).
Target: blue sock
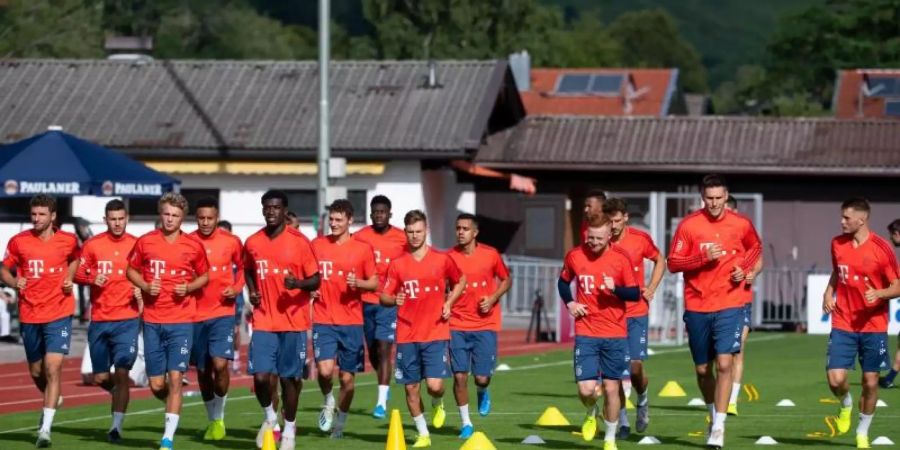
point(891, 375)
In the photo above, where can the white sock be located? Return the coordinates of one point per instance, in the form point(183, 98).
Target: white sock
point(118, 418)
point(270, 414)
point(48, 419)
point(464, 415)
point(847, 401)
point(719, 421)
point(340, 420)
point(277, 426)
point(236, 363)
point(219, 410)
point(611, 428)
point(171, 426)
point(437, 401)
point(643, 398)
point(210, 409)
point(735, 391)
point(864, 421)
point(329, 400)
point(383, 390)
point(421, 425)
point(623, 417)
point(290, 429)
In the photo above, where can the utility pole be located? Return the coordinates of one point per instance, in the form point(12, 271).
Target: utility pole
point(324, 153)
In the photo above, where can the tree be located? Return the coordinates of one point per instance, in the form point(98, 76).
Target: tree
point(51, 29)
point(650, 38)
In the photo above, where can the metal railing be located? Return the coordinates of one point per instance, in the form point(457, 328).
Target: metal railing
point(531, 275)
point(780, 296)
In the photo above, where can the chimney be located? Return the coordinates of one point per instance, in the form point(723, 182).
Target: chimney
point(129, 48)
point(696, 104)
point(520, 64)
point(432, 74)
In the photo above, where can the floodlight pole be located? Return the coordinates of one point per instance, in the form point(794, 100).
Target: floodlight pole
point(324, 152)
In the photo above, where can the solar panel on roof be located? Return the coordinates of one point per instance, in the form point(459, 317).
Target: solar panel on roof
point(573, 83)
point(606, 84)
point(884, 86)
point(892, 108)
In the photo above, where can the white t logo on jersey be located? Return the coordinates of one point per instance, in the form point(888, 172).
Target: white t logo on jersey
point(157, 268)
point(377, 255)
point(586, 283)
point(843, 273)
point(411, 287)
point(104, 267)
point(326, 267)
point(262, 266)
point(36, 267)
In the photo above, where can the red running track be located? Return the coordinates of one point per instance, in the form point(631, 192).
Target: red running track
point(18, 393)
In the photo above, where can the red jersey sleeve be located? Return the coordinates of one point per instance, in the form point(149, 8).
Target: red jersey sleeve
point(451, 270)
point(568, 270)
point(650, 249)
point(368, 262)
point(237, 258)
point(74, 251)
point(628, 279)
point(891, 271)
point(11, 260)
point(199, 263)
point(136, 259)
point(87, 261)
point(753, 247)
point(500, 269)
point(308, 262)
point(391, 280)
point(681, 258)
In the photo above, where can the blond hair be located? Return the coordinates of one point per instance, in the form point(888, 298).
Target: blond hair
point(175, 199)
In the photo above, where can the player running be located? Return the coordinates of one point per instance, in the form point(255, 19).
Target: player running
point(593, 210)
point(475, 318)
point(169, 267)
point(715, 249)
point(274, 258)
point(887, 382)
point(604, 281)
point(115, 323)
point(347, 269)
point(639, 246)
point(416, 283)
point(215, 321)
point(380, 322)
point(44, 259)
point(747, 294)
point(864, 278)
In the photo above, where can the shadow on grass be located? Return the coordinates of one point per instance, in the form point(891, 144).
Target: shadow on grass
point(553, 443)
point(698, 409)
point(543, 394)
point(95, 435)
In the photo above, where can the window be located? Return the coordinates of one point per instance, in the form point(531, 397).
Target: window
point(148, 206)
point(884, 86)
point(590, 84)
point(16, 209)
point(303, 203)
point(892, 108)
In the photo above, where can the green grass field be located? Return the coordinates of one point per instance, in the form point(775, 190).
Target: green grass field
point(780, 366)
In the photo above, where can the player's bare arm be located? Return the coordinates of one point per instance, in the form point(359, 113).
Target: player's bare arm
point(454, 295)
point(70, 275)
point(828, 297)
point(392, 300)
point(757, 268)
point(8, 279)
point(135, 277)
point(307, 284)
point(659, 269)
point(191, 286)
point(873, 295)
point(488, 302)
point(369, 284)
point(252, 293)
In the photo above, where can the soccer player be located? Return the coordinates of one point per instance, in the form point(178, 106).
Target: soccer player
point(639, 246)
point(274, 258)
point(887, 382)
point(293, 220)
point(347, 269)
point(214, 323)
point(238, 312)
point(715, 249)
point(380, 322)
point(475, 318)
point(44, 259)
point(604, 281)
point(864, 277)
point(417, 284)
point(747, 292)
point(593, 210)
point(115, 325)
point(170, 268)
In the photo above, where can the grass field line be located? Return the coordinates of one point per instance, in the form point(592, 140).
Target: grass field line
point(312, 387)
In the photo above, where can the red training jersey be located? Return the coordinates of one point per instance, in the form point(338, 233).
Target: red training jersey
point(425, 285)
point(482, 269)
point(226, 269)
point(387, 247)
point(605, 316)
point(873, 263)
point(108, 255)
point(707, 284)
point(44, 265)
point(173, 263)
point(338, 304)
point(280, 309)
point(639, 246)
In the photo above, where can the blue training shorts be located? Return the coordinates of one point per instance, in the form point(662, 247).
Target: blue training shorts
point(280, 352)
point(417, 361)
point(379, 323)
point(213, 338)
point(714, 333)
point(473, 350)
point(637, 337)
point(113, 343)
point(595, 356)
point(43, 338)
point(167, 347)
point(871, 349)
point(342, 343)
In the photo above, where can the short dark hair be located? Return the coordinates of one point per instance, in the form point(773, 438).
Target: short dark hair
point(615, 205)
point(414, 216)
point(731, 202)
point(380, 200)
point(43, 200)
point(857, 203)
point(207, 202)
point(894, 227)
point(596, 193)
point(468, 216)
point(341, 205)
point(115, 205)
point(225, 224)
point(712, 180)
point(292, 214)
point(275, 194)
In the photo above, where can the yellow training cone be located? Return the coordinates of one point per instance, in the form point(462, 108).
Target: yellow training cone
point(395, 440)
point(672, 389)
point(552, 418)
point(268, 440)
point(628, 404)
point(478, 441)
